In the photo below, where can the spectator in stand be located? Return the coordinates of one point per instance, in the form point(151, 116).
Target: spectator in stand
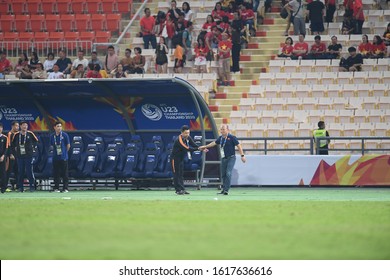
point(170, 25)
point(386, 35)
point(159, 24)
point(378, 49)
point(94, 72)
point(318, 49)
point(56, 74)
point(365, 47)
point(235, 31)
point(127, 62)
point(288, 19)
point(5, 64)
point(22, 63)
point(358, 15)
point(178, 55)
point(297, 16)
point(95, 60)
point(232, 8)
point(208, 25)
point(25, 73)
point(39, 72)
point(287, 50)
point(78, 73)
point(139, 61)
point(147, 24)
point(224, 25)
point(247, 16)
point(187, 41)
point(64, 63)
point(334, 49)
point(217, 13)
point(349, 23)
point(216, 38)
point(34, 60)
point(111, 59)
point(118, 72)
point(174, 11)
point(330, 9)
point(301, 48)
point(316, 16)
point(224, 49)
point(49, 62)
point(188, 14)
point(80, 60)
point(161, 56)
point(352, 63)
point(201, 52)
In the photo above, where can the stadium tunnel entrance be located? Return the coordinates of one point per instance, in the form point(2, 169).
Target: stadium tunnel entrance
point(107, 119)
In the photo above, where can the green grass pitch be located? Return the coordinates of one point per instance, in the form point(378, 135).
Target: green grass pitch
point(250, 223)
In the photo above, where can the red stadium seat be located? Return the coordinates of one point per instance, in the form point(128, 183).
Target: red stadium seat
point(79, 7)
point(99, 22)
point(56, 36)
point(37, 23)
point(34, 7)
point(64, 7)
point(68, 22)
point(52, 23)
point(71, 41)
point(26, 36)
point(22, 23)
point(72, 36)
point(48, 7)
point(124, 6)
point(18, 7)
point(1, 36)
point(113, 21)
point(10, 40)
point(94, 6)
point(109, 6)
point(83, 22)
point(40, 40)
point(7, 23)
point(6, 8)
point(87, 38)
point(103, 36)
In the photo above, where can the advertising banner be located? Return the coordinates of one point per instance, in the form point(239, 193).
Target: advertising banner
point(313, 170)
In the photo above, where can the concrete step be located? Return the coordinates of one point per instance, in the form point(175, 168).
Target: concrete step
point(252, 70)
point(224, 102)
point(260, 51)
point(242, 82)
point(223, 108)
point(269, 39)
point(236, 89)
point(245, 76)
point(221, 115)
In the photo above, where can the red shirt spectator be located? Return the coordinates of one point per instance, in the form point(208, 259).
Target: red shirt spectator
point(147, 24)
point(365, 49)
point(301, 48)
point(224, 48)
point(358, 10)
point(208, 25)
point(318, 48)
point(287, 50)
point(93, 74)
point(247, 14)
point(5, 64)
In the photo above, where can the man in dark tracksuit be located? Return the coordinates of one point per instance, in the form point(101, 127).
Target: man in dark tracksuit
point(183, 145)
point(3, 159)
point(12, 164)
point(22, 146)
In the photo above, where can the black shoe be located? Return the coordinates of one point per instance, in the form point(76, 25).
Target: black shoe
point(179, 192)
point(225, 193)
point(185, 192)
point(222, 192)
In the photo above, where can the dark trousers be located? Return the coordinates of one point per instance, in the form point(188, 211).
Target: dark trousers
point(359, 27)
point(12, 167)
point(330, 13)
point(25, 167)
point(149, 39)
point(178, 173)
point(3, 176)
point(236, 48)
point(60, 170)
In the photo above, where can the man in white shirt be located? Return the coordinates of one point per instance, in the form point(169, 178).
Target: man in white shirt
point(80, 60)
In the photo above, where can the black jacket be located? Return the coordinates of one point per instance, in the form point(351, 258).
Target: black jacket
point(180, 147)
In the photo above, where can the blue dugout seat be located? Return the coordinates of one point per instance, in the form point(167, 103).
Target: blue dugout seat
point(76, 157)
point(137, 140)
point(164, 167)
point(47, 169)
point(148, 161)
point(109, 163)
point(132, 155)
point(92, 160)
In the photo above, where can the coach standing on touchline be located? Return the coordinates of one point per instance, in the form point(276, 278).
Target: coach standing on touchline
point(228, 143)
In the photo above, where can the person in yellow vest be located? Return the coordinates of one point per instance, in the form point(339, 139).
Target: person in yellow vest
point(319, 133)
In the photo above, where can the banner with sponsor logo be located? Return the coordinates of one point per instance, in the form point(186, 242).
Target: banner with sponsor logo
point(313, 170)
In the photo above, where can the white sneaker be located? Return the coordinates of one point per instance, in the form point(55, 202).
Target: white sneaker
point(56, 190)
point(65, 190)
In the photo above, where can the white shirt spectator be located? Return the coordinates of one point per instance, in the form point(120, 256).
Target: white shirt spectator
point(77, 61)
point(48, 64)
point(55, 75)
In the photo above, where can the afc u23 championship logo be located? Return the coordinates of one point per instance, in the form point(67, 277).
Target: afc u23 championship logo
point(152, 112)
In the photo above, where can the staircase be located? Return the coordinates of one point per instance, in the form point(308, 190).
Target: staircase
point(253, 61)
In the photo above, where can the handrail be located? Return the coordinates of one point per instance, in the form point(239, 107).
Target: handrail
point(120, 38)
point(311, 149)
